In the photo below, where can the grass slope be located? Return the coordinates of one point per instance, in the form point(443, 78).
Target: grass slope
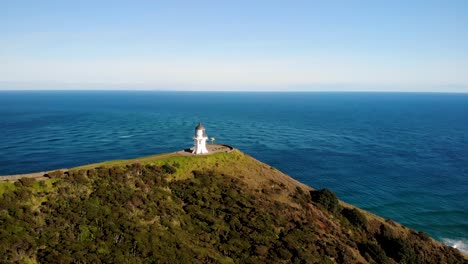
point(220, 208)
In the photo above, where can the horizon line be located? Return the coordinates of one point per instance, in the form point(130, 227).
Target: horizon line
point(230, 91)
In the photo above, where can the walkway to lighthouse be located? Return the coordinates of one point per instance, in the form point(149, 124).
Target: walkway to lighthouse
point(212, 148)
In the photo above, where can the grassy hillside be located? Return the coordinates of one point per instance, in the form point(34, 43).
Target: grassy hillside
point(220, 208)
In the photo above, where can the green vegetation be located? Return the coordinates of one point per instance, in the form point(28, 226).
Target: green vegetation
point(355, 217)
point(373, 252)
point(184, 164)
point(327, 200)
point(221, 208)
point(6, 187)
point(27, 182)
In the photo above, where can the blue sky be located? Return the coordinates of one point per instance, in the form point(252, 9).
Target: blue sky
point(235, 45)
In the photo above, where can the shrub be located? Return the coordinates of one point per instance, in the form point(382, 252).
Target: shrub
point(169, 169)
point(79, 178)
point(300, 197)
point(355, 217)
point(398, 249)
point(373, 251)
point(423, 236)
point(91, 173)
point(27, 182)
point(23, 193)
point(54, 174)
point(326, 199)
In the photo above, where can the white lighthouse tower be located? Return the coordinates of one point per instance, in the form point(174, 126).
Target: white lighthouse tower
point(199, 140)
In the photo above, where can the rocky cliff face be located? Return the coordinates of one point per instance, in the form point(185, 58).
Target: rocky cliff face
point(221, 208)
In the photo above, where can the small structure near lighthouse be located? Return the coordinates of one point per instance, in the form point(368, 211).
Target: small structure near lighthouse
point(199, 140)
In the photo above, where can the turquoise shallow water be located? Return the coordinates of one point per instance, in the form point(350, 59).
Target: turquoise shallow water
point(403, 156)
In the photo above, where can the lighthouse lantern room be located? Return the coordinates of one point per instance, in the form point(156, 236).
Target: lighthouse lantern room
point(199, 140)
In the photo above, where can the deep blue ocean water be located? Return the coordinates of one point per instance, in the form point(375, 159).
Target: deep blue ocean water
point(402, 156)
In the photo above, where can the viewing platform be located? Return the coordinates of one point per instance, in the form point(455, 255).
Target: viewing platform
point(212, 148)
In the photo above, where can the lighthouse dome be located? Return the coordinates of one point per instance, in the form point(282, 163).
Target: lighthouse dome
point(201, 128)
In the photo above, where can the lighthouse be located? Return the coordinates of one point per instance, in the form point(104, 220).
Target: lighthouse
point(199, 140)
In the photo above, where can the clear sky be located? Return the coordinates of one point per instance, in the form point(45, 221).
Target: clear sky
point(235, 45)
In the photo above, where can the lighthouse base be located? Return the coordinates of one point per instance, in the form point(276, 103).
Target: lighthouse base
point(200, 150)
point(212, 149)
point(199, 145)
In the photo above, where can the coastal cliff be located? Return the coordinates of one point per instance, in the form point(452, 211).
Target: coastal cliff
point(219, 208)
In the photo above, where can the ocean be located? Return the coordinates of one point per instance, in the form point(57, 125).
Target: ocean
point(402, 156)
